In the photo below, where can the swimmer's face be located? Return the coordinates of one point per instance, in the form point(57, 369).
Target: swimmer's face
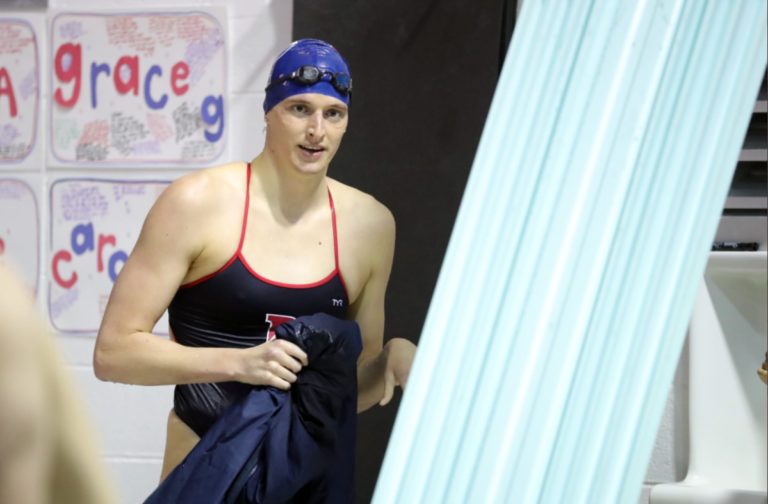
point(304, 131)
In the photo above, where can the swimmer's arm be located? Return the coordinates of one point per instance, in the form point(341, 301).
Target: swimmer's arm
point(172, 237)
point(380, 367)
point(126, 350)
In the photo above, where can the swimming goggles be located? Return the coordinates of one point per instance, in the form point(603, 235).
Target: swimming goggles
point(308, 75)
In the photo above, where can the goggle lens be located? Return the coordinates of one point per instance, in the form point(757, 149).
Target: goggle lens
point(343, 82)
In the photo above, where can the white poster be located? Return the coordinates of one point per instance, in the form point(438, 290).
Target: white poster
point(19, 94)
point(94, 225)
point(137, 88)
point(20, 229)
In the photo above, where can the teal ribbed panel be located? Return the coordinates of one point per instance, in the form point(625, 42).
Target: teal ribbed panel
point(564, 296)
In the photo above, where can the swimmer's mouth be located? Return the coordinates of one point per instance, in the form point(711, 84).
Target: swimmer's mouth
point(311, 150)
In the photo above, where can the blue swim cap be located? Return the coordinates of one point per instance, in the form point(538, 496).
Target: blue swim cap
point(287, 73)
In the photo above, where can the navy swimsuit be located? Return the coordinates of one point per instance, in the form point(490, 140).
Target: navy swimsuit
point(236, 307)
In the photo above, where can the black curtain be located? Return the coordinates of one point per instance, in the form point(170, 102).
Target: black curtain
point(424, 73)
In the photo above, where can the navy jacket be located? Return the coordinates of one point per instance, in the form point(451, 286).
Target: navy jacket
point(277, 446)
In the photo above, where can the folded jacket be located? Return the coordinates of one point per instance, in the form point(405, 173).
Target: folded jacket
point(276, 446)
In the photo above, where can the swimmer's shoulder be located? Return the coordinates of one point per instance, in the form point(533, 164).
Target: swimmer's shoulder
point(361, 211)
point(208, 189)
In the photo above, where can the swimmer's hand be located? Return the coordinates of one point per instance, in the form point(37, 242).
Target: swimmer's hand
point(399, 353)
point(274, 363)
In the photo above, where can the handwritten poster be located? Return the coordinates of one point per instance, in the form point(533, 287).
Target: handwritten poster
point(18, 89)
point(20, 229)
point(141, 88)
point(94, 225)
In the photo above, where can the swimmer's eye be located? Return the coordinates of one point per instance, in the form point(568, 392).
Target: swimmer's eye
point(334, 114)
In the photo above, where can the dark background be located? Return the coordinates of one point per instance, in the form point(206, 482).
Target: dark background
point(424, 72)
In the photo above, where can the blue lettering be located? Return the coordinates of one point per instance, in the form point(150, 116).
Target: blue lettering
point(212, 119)
point(153, 70)
point(118, 256)
point(86, 232)
point(95, 71)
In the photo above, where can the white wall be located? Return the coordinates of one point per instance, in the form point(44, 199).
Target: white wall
point(130, 420)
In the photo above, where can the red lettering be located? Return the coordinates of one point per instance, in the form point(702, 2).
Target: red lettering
point(125, 75)
point(132, 64)
point(275, 320)
point(179, 71)
point(67, 67)
point(103, 240)
point(6, 88)
point(63, 255)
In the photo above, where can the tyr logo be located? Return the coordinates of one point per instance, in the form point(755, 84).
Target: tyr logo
point(274, 320)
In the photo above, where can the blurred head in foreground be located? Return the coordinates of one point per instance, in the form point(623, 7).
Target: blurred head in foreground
point(47, 454)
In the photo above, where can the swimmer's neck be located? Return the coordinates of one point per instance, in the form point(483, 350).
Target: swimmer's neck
point(289, 193)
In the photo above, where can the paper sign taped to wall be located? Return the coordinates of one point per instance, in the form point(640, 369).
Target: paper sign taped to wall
point(137, 88)
point(20, 229)
point(18, 89)
point(94, 225)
